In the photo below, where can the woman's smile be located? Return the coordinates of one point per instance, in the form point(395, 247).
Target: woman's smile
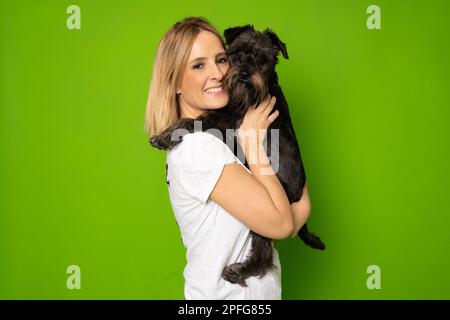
point(215, 91)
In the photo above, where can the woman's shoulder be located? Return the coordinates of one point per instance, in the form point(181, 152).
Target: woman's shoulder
point(203, 136)
point(200, 147)
point(200, 139)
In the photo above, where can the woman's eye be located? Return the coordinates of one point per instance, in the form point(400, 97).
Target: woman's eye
point(198, 66)
point(223, 60)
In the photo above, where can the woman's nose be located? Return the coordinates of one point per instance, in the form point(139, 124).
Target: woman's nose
point(217, 73)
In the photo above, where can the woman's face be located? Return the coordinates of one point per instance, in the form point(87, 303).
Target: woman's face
point(201, 87)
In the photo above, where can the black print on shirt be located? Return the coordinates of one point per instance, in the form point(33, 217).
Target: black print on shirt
point(167, 180)
point(168, 183)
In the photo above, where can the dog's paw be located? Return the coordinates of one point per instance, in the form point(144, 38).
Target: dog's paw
point(164, 142)
point(156, 143)
point(234, 274)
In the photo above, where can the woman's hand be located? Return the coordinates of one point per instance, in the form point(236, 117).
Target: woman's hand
point(256, 121)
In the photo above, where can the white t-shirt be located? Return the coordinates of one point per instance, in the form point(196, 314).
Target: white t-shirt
point(213, 237)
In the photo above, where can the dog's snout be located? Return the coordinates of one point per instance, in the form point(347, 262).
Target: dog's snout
point(244, 75)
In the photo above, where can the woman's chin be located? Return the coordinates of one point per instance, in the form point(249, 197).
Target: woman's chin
point(217, 103)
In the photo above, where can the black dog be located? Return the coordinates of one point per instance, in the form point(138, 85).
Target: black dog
point(252, 56)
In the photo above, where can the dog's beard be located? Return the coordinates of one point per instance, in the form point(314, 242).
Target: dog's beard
point(245, 93)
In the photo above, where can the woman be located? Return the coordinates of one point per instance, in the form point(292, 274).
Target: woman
point(215, 198)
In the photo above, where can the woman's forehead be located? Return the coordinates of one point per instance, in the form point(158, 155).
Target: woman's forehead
point(206, 45)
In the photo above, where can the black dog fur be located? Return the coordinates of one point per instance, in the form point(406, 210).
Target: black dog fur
point(252, 56)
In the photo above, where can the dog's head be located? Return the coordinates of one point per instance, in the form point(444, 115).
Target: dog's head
point(252, 56)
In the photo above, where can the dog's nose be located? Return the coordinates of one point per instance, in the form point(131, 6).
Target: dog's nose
point(244, 75)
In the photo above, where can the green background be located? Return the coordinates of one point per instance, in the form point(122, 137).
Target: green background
point(79, 184)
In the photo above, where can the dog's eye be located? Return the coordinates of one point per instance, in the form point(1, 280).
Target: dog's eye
point(250, 53)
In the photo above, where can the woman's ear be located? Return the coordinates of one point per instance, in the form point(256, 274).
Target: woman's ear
point(232, 33)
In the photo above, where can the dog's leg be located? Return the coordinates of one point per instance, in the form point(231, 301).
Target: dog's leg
point(258, 262)
point(173, 135)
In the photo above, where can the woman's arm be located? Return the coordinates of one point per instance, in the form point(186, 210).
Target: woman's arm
point(261, 205)
point(301, 211)
point(263, 172)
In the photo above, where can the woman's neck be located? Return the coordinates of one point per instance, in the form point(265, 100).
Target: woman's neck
point(189, 113)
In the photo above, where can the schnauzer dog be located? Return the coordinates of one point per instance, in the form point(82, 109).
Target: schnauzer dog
point(252, 77)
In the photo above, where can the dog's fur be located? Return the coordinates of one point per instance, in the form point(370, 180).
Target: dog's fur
point(253, 56)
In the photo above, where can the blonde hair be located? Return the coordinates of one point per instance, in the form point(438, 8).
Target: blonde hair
point(170, 62)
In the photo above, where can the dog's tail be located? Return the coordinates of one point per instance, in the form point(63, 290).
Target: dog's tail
point(310, 238)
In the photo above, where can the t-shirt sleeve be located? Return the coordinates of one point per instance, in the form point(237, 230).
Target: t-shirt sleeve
point(203, 158)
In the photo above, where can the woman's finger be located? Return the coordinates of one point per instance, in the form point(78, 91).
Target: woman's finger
point(263, 104)
point(273, 116)
point(270, 106)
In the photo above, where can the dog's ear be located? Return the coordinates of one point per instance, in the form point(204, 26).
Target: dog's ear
point(232, 33)
point(277, 42)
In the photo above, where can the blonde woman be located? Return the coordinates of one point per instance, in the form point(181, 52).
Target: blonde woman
point(215, 198)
